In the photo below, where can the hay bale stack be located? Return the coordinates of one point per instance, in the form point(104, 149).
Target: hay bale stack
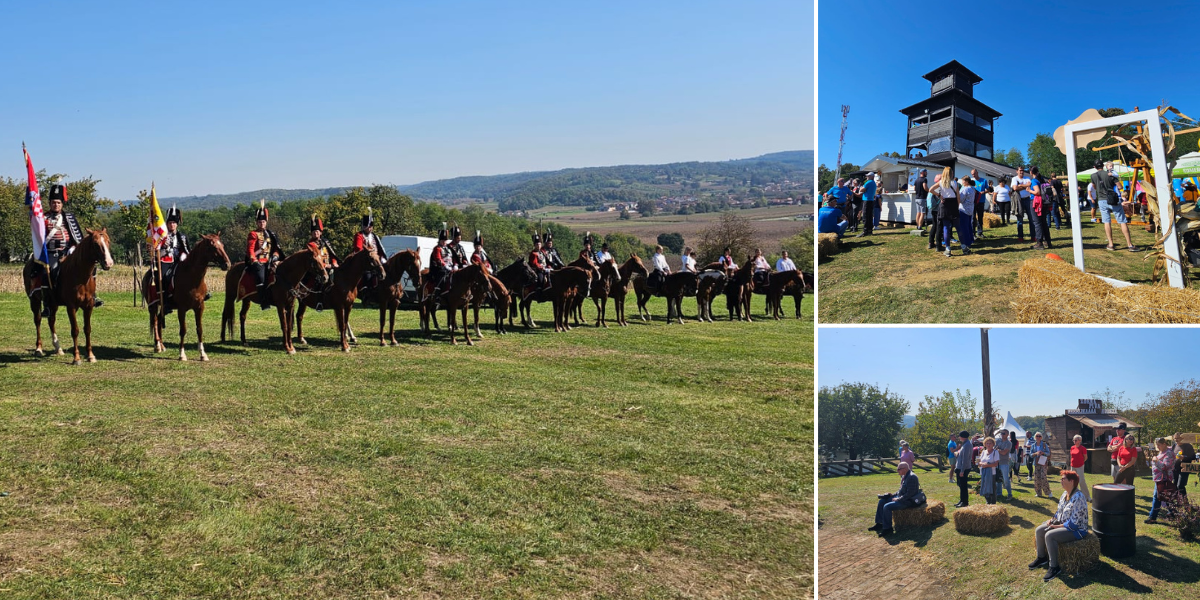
point(992, 221)
point(827, 245)
point(980, 519)
point(919, 516)
point(1080, 555)
point(1053, 291)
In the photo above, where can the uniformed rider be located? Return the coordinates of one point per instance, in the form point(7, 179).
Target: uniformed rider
point(552, 257)
point(366, 239)
point(539, 263)
point(262, 247)
point(439, 261)
point(458, 254)
point(171, 251)
point(62, 235)
point(480, 257)
point(320, 243)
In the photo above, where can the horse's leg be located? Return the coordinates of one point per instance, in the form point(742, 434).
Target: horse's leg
point(35, 304)
point(199, 312)
point(182, 330)
point(478, 334)
point(74, 332)
point(467, 330)
point(242, 319)
point(349, 330)
point(300, 323)
point(392, 324)
point(451, 323)
point(383, 307)
point(155, 331)
point(339, 318)
point(285, 320)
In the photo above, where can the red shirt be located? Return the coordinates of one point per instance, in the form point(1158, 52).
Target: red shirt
point(1125, 455)
point(1078, 456)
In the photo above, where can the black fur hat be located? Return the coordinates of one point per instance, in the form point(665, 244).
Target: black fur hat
point(547, 237)
point(443, 234)
point(173, 215)
point(315, 223)
point(587, 239)
point(455, 231)
point(478, 238)
point(368, 219)
point(58, 191)
point(536, 239)
point(261, 214)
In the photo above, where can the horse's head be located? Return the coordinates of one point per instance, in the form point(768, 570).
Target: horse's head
point(315, 265)
point(609, 269)
point(636, 267)
point(218, 250)
point(409, 264)
point(98, 239)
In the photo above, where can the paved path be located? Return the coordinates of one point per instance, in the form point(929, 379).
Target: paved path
point(865, 566)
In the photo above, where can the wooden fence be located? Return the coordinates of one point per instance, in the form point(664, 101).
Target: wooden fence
point(868, 466)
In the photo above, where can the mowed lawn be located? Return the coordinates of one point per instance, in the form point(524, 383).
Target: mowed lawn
point(891, 277)
point(653, 461)
point(996, 565)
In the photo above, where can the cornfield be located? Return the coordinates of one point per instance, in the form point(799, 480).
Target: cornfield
point(118, 280)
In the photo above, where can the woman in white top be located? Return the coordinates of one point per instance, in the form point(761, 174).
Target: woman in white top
point(989, 459)
point(1002, 195)
point(1070, 523)
point(1092, 199)
point(687, 262)
point(660, 262)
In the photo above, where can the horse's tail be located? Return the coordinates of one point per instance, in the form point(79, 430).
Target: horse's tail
point(232, 279)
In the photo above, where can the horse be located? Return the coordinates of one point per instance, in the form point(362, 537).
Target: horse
point(531, 293)
point(501, 302)
point(786, 283)
point(565, 284)
point(609, 278)
point(516, 278)
point(391, 289)
point(710, 283)
point(583, 262)
point(339, 294)
point(466, 284)
point(189, 292)
point(738, 291)
point(76, 289)
point(674, 287)
point(631, 269)
point(289, 276)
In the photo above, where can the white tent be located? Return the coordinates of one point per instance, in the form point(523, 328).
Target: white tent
point(1011, 424)
point(423, 245)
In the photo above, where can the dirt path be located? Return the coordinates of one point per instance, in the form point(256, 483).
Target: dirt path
point(865, 566)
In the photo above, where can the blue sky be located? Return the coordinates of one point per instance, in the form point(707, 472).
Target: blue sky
point(1035, 371)
point(216, 97)
point(875, 65)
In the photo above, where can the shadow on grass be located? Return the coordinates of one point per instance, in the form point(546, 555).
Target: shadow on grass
point(919, 536)
point(1106, 574)
point(1022, 522)
point(1153, 560)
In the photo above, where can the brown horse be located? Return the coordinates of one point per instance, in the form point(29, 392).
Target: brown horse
point(76, 290)
point(466, 284)
point(786, 283)
point(516, 278)
point(739, 289)
point(674, 287)
point(583, 262)
point(339, 294)
point(710, 283)
point(289, 274)
point(632, 269)
point(501, 300)
point(565, 284)
point(603, 285)
point(391, 289)
point(189, 292)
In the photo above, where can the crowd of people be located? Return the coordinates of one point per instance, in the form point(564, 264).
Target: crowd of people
point(998, 459)
point(957, 206)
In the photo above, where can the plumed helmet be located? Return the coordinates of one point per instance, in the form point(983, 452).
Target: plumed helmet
point(587, 239)
point(443, 234)
point(478, 238)
point(315, 223)
point(173, 215)
point(536, 239)
point(261, 214)
point(455, 231)
point(368, 219)
point(547, 237)
point(58, 191)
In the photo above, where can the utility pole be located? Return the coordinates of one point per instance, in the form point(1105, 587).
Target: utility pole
point(989, 425)
point(841, 142)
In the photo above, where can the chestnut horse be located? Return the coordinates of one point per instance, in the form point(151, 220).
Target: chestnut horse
point(786, 283)
point(466, 284)
point(739, 289)
point(189, 292)
point(501, 300)
point(632, 269)
point(603, 285)
point(339, 294)
point(76, 290)
point(516, 278)
point(583, 262)
point(674, 287)
point(391, 289)
point(565, 285)
point(289, 273)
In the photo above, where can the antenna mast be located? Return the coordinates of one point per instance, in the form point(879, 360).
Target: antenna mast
point(841, 141)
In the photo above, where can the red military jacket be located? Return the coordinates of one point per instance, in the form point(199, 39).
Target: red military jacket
point(258, 246)
point(535, 260)
point(438, 257)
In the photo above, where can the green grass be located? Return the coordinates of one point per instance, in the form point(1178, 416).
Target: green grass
point(892, 277)
point(651, 461)
point(995, 566)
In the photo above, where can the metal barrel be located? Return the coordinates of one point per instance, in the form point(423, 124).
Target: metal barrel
point(1113, 519)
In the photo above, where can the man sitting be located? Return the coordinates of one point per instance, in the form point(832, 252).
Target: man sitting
point(910, 488)
point(830, 219)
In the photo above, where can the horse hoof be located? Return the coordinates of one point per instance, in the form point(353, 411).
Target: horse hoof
point(76, 362)
point(38, 352)
point(302, 342)
point(346, 349)
point(291, 351)
point(60, 352)
point(203, 358)
point(182, 358)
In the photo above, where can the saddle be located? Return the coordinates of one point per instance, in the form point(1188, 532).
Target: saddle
point(246, 283)
point(761, 279)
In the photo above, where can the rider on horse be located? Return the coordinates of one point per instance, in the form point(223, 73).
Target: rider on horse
point(661, 270)
point(62, 235)
point(262, 247)
point(171, 251)
point(458, 254)
point(439, 261)
point(480, 257)
point(552, 258)
point(603, 255)
point(688, 260)
point(319, 243)
point(366, 239)
point(727, 262)
point(762, 269)
point(785, 263)
point(539, 263)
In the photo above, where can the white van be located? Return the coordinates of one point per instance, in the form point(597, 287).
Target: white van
point(423, 245)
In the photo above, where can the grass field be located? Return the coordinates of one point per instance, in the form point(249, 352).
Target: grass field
point(651, 461)
point(892, 277)
point(996, 565)
point(771, 225)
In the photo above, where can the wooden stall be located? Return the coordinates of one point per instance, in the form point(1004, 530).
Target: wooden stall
point(1097, 425)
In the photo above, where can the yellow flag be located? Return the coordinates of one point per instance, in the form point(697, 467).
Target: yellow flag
point(156, 230)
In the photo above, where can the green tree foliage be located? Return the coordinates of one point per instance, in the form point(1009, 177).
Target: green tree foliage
point(800, 247)
point(673, 242)
point(938, 417)
point(1012, 158)
point(731, 231)
point(859, 419)
point(1176, 410)
point(826, 177)
point(82, 200)
point(1034, 423)
point(647, 207)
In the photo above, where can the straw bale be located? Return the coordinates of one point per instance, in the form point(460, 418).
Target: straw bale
point(919, 516)
point(1147, 304)
point(827, 245)
point(992, 221)
point(1052, 291)
point(980, 519)
point(1079, 555)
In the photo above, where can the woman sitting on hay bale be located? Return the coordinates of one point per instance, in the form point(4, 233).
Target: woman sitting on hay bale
point(910, 495)
point(1070, 523)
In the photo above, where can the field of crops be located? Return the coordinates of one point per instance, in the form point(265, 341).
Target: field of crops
point(652, 461)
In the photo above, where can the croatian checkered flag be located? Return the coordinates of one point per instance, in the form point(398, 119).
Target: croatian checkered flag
point(33, 200)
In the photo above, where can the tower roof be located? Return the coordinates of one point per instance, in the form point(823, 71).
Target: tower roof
point(951, 67)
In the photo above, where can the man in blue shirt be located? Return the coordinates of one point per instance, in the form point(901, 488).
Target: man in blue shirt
point(839, 192)
point(830, 220)
point(868, 200)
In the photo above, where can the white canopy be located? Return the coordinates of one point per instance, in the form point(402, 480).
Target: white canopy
point(1011, 424)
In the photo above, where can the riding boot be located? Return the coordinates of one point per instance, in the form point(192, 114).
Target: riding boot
point(264, 299)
